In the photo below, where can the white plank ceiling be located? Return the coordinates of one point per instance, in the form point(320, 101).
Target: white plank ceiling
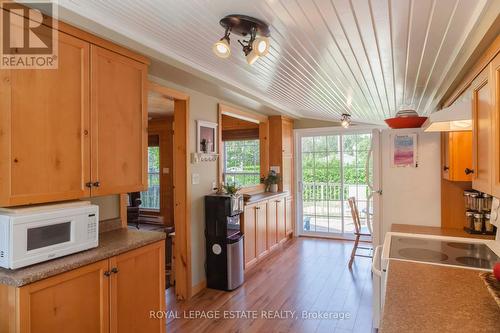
point(364, 57)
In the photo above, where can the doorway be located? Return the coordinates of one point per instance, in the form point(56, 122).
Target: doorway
point(332, 166)
point(175, 128)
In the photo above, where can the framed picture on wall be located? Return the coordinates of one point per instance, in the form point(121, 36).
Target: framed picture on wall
point(404, 150)
point(206, 137)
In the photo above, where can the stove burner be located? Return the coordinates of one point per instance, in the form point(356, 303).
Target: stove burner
point(474, 262)
point(412, 241)
point(462, 246)
point(422, 254)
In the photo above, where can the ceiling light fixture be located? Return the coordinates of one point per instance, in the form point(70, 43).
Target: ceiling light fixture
point(253, 48)
point(221, 47)
point(345, 120)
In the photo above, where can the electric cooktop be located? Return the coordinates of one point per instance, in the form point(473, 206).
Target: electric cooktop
point(445, 252)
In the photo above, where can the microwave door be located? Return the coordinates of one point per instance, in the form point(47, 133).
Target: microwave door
point(49, 235)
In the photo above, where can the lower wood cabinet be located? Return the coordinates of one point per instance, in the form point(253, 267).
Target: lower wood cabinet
point(112, 295)
point(289, 216)
point(265, 226)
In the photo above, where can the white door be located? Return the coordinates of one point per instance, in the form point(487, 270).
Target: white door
point(333, 165)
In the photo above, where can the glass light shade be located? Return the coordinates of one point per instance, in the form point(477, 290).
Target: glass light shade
point(252, 57)
point(221, 48)
point(261, 46)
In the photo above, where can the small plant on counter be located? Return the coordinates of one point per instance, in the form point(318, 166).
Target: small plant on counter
point(231, 189)
point(271, 181)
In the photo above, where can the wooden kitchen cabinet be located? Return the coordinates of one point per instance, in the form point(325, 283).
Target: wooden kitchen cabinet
point(112, 295)
point(289, 215)
point(495, 84)
point(45, 130)
point(272, 235)
point(136, 289)
point(482, 133)
point(76, 131)
point(249, 230)
point(119, 123)
point(457, 156)
point(261, 229)
point(76, 301)
point(281, 150)
point(280, 218)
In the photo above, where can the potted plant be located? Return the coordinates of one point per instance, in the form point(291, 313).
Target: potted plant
point(271, 181)
point(231, 189)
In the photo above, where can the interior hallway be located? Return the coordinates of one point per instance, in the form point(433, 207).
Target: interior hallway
point(310, 275)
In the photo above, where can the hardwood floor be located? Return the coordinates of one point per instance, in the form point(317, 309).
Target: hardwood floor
point(308, 275)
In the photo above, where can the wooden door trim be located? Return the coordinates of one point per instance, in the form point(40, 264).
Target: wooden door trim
point(182, 190)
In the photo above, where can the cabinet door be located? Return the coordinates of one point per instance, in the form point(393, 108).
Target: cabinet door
point(457, 156)
point(272, 239)
point(495, 81)
point(249, 220)
point(482, 132)
point(280, 218)
point(261, 226)
point(76, 301)
point(119, 123)
point(44, 129)
point(445, 158)
point(138, 287)
point(289, 215)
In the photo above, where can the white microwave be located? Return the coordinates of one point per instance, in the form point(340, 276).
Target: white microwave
point(29, 235)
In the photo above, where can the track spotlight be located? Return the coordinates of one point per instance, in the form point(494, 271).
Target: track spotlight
point(253, 48)
point(345, 120)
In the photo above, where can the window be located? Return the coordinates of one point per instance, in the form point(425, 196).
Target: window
point(242, 162)
point(151, 197)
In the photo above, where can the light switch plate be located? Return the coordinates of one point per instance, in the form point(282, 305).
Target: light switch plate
point(195, 178)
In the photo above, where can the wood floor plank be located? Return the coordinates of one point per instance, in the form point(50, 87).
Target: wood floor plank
point(309, 275)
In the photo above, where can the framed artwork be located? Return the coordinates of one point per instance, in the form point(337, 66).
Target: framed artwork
point(206, 137)
point(404, 150)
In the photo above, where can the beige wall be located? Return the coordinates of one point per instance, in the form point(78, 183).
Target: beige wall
point(109, 206)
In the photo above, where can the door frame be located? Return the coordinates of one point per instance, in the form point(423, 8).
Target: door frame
point(298, 134)
point(182, 190)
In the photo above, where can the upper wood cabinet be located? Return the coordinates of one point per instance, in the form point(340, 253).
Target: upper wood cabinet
point(482, 116)
point(76, 131)
point(495, 82)
point(119, 123)
point(457, 156)
point(45, 130)
point(281, 150)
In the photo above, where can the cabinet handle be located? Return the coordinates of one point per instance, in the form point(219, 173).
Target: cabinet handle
point(107, 273)
point(96, 184)
point(468, 171)
point(89, 184)
point(257, 207)
point(114, 270)
point(445, 168)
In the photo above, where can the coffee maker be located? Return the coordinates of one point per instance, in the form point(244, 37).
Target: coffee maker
point(224, 241)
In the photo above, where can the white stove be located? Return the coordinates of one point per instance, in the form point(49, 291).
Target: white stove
point(478, 254)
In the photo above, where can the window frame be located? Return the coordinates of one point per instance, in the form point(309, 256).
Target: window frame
point(224, 171)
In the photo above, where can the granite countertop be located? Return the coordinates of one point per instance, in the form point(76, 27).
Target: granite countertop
point(264, 196)
point(111, 243)
point(431, 298)
point(418, 229)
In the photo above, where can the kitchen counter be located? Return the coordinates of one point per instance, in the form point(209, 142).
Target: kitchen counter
point(254, 198)
point(430, 298)
point(111, 243)
point(418, 229)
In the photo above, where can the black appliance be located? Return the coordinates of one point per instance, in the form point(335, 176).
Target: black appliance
point(224, 241)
